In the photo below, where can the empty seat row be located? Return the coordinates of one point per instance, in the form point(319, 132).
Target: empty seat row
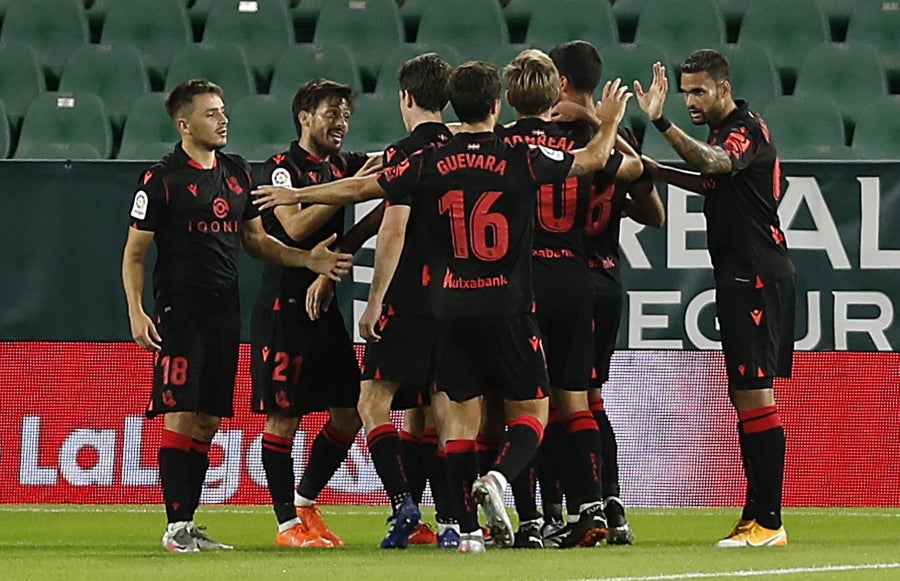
point(76, 126)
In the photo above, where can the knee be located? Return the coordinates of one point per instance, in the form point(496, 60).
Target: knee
point(282, 426)
point(346, 420)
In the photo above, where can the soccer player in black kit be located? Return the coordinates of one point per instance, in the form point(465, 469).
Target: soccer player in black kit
point(194, 205)
point(740, 179)
point(398, 323)
point(301, 365)
point(562, 291)
point(478, 196)
point(580, 68)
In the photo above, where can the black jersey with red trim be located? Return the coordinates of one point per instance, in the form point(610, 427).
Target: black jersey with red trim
point(478, 196)
point(561, 206)
point(601, 231)
point(299, 168)
point(743, 230)
point(195, 215)
point(408, 292)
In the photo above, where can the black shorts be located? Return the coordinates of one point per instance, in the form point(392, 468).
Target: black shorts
point(299, 365)
point(757, 328)
point(405, 353)
point(195, 370)
point(497, 354)
point(562, 293)
point(607, 317)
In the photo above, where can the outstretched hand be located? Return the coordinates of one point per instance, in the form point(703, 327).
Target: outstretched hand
point(331, 264)
point(614, 99)
point(269, 196)
point(654, 99)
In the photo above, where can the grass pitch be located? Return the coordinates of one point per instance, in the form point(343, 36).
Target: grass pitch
point(122, 542)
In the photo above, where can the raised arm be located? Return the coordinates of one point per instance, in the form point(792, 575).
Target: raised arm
point(705, 158)
point(643, 204)
point(610, 111)
point(687, 180)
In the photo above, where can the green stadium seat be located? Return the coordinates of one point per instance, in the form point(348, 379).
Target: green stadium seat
point(5, 132)
point(149, 134)
point(518, 12)
point(680, 28)
point(656, 146)
point(95, 11)
point(753, 74)
point(877, 24)
point(304, 13)
point(224, 64)
point(53, 28)
point(376, 120)
point(806, 128)
point(504, 54)
point(474, 36)
point(732, 12)
point(21, 78)
point(259, 126)
point(411, 15)
point(627, 14)
point(158, 28)
point(65, 126)
point(848, 74)
point(837, 13)
point(369, 28)
point(261, 27)
point(387, 75)
point(302, 62)
point(877, 132)
point(116, 74)
point(553, 23)
point(632, 62)
point(788, 31)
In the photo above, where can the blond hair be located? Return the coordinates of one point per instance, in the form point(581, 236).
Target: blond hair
point(532, 82)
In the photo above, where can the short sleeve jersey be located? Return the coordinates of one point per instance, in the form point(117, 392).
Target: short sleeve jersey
point(741, 208)
point(298, 168)
point(601, 232)
point(561, 206)
point(195, 215)
point(408, 292)
point(478, 197)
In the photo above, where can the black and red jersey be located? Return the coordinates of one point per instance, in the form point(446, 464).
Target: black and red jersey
point(195, 215)
point(478, 197)
point(408, 292)
point(299, 168)
point(743, 230)
point(601, 231)
point(562, 206)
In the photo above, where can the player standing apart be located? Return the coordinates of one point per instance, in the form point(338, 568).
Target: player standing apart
point(194, 204)
point(740, 178)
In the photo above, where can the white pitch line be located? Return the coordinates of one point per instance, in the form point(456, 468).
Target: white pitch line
point(752, 572)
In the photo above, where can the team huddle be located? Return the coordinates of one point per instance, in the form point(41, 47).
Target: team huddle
point(494, 304)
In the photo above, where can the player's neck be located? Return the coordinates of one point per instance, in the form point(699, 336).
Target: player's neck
point(309, 147)
point(420, 116)
point(729, 108)
point(203, 156)
point(480, 127)
point(544, 116)
point(579, 98)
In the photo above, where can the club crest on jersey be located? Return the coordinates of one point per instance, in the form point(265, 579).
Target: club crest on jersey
point(235, 185)
point(281, 177)
point(554, 154)
point(139, 208)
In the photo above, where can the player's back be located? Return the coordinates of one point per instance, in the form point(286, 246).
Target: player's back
point(478, 195)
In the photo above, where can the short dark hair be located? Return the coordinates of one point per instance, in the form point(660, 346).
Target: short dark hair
point(426, 78)
point(578, 61)
point(474, 86)
point(707, 61)
point(313, 92)
point(182, 96)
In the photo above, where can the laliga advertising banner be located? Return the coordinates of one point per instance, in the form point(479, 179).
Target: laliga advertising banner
point(74, 389)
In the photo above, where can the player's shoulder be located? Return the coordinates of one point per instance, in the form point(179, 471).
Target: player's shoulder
point(233, 162)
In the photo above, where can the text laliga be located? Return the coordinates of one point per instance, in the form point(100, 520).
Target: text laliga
point(223, 479)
